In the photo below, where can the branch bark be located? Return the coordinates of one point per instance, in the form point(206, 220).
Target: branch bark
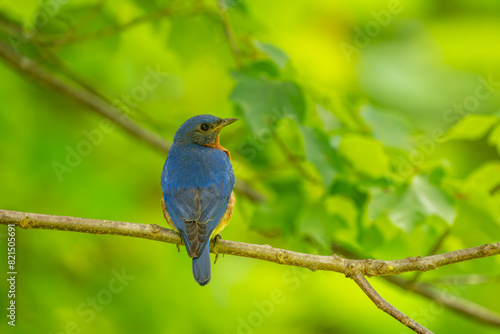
point(449, 300)
point(335, 263)
point(349, 267)
point(382, 304)
point(437, 295)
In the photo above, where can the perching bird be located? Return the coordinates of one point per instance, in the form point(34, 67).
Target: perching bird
point(197, 182)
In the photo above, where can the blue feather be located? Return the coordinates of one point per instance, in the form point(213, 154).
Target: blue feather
point(185, 178)
point(202, 267)
point(197, 182)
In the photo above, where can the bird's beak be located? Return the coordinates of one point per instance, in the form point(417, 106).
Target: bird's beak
point(225, 122)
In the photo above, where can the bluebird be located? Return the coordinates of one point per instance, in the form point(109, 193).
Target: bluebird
point(197, 182)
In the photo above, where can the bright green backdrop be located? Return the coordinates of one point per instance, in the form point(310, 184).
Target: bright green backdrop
point(366, 125)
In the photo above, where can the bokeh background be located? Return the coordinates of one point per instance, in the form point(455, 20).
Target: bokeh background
point(370, 129)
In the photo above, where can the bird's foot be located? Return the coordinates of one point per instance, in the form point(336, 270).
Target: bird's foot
point(182, 242)
point(217, 237)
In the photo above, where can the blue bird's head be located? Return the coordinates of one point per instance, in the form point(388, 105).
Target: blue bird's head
point(203, 130)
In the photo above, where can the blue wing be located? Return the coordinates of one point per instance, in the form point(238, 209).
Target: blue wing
point(196, 197)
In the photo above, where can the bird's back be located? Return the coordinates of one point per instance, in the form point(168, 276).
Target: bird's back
point(197, 183)
point(193, 165)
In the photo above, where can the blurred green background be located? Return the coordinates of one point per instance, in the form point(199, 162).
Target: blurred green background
point(370, 127)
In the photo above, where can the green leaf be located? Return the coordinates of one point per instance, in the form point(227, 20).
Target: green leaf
point(388, 128)
point(312, 224)
point(366, 155)
point(486, 177)
point(481, 198)
point(377, 234)
point(276, 216)
point(321, 154)
point(384, 201)
point(276, 54)
point(333, 221)
point(264, 101)
point(259, 68)
point(433, 200)
point(477, 219)
point(407, 207)
point(472, 127)
point(348, 189)
point(330, 122)
point(343, 209)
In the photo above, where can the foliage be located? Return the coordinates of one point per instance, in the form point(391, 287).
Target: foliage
point(367, 150)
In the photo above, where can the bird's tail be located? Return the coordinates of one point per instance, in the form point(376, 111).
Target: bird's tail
point(201, 266)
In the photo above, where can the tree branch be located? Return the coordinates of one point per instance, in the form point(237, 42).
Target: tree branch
point(27, 66)
point(440, 296)
point(294, 161)
point(382, 304)
point(221, 5)
point(433, 251)
point(111, 30)
point(449, 300)
point(349, 267)
point(335, 263)
point(468, 279)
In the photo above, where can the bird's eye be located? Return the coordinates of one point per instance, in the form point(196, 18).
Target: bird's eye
point(204, 126)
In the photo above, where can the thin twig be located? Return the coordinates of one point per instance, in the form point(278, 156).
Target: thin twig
point(432, 251)
point(64, 69)
point(294, 161)
point(70, 34)
point(10, 27)
point(382, 304)
point(471, 279)
point(70, 37)
point(108, 31)
point(440, 296)
point(495, 189)
point(229, 33)
point(449, 300)
point(25, 65)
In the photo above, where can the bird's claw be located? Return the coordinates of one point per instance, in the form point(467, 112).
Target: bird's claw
point(217, 237)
